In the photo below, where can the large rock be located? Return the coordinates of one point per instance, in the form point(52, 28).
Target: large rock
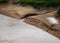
point(41, 21)
point(15, 10)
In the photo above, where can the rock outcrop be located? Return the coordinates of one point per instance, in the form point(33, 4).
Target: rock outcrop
point(41, 21)
point(16, 11)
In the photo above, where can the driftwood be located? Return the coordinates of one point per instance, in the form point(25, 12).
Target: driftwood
point(41, 21)
point(15, 11)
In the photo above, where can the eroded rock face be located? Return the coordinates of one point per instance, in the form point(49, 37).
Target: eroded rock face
point(39, 19)
point(15, 11)
point(42, 21)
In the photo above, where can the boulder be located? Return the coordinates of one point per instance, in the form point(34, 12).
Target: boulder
point(16, 11)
